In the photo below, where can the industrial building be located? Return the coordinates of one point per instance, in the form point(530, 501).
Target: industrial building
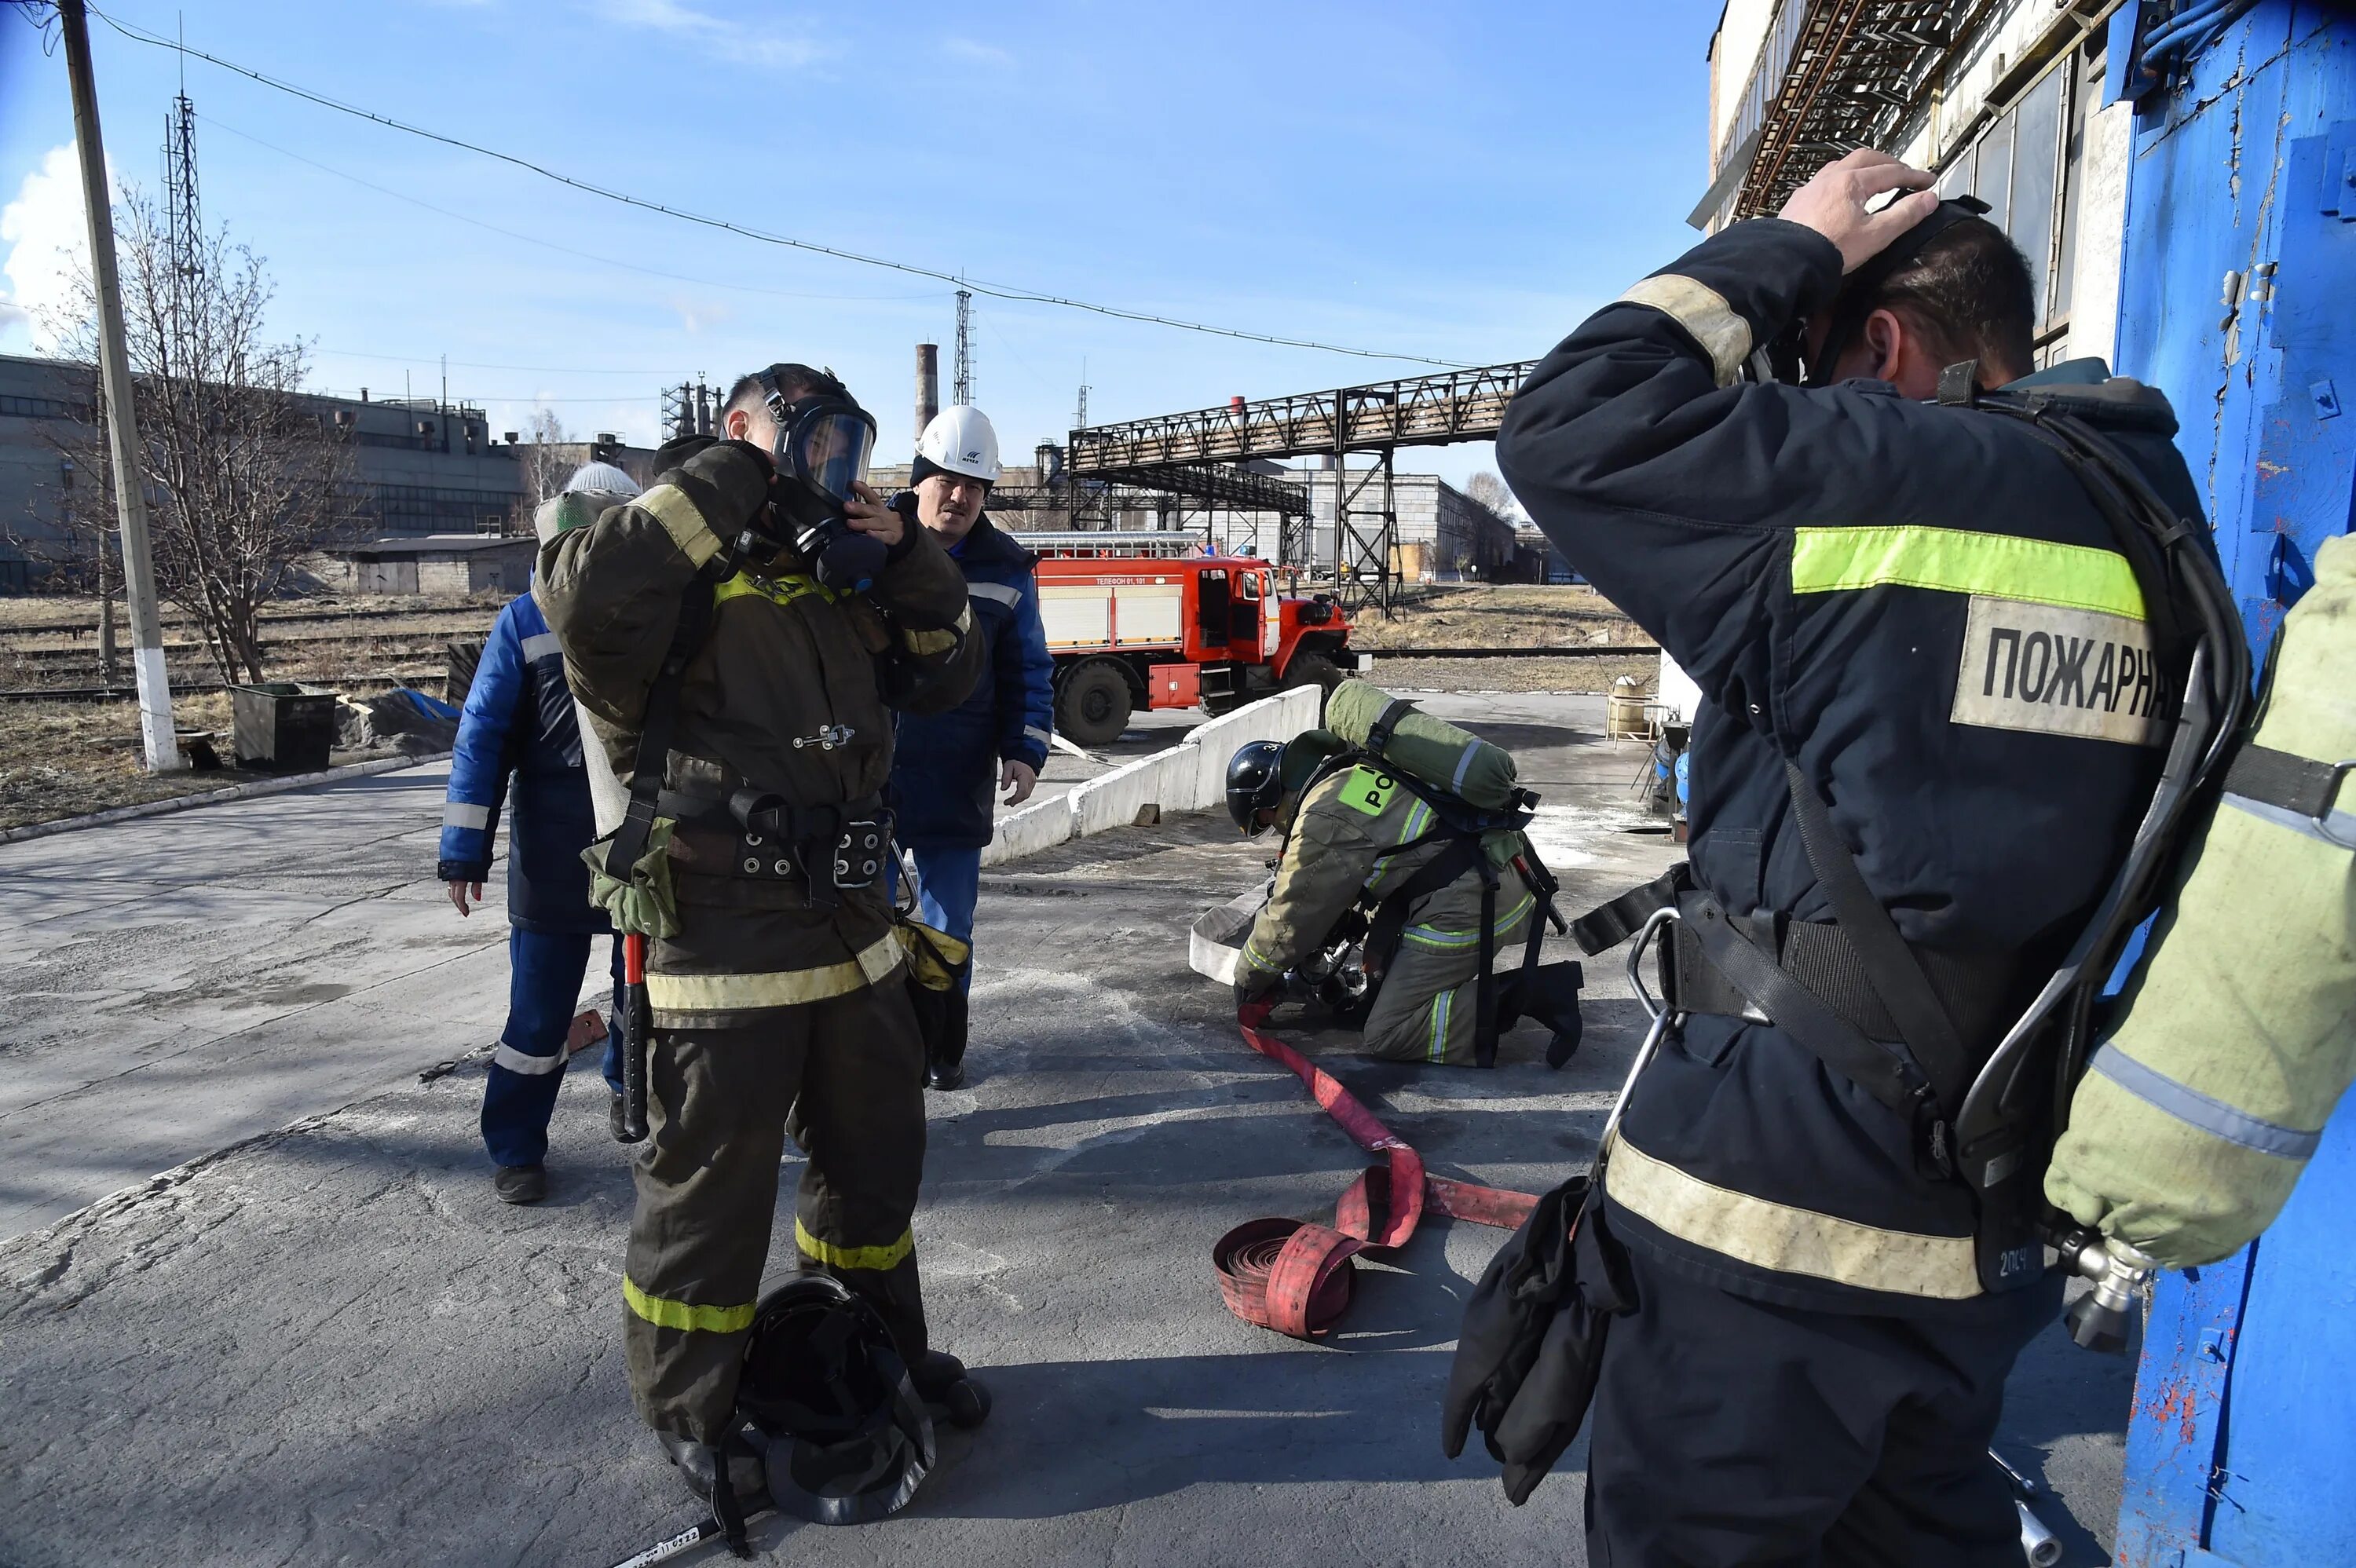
point(2004, 99)
point(418, 466)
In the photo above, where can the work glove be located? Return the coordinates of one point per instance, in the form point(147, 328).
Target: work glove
point(1532, 1340)
point(1252, 987)
point(645, 905)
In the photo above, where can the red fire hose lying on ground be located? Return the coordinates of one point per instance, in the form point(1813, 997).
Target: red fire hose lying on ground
point(1296, 1276)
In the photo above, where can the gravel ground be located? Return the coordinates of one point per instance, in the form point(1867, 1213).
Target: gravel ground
point(1498, 616)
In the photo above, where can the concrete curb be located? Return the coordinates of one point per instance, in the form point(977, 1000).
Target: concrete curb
point(1189, 776)
point(246, 791)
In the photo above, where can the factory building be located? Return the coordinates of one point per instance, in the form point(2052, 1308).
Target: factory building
point(419, 467)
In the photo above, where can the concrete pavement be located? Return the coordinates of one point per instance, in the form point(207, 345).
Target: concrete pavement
point(331, 1344)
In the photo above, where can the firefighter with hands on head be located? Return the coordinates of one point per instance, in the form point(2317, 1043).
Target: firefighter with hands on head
point(949, 764)
point(518, 724)
point(735, 634)
point(1934, 698)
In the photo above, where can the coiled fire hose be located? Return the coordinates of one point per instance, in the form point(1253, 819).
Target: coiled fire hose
point(1296, 1276)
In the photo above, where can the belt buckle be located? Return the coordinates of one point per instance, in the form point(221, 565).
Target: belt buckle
point(861, 852)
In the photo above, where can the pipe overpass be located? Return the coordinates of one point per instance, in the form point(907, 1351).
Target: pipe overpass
point(1189, 453)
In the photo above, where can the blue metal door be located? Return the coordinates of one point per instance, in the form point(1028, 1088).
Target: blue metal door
point(2238, 299)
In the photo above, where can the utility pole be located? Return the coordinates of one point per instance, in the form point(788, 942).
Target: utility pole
point(161, 746)
point(961, 384)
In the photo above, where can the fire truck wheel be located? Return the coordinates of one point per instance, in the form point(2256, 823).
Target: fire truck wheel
point(1093, 707)
point(1311, 669)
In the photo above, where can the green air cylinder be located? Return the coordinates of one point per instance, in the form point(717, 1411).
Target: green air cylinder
point(2200, 1109)
point(1424, 748)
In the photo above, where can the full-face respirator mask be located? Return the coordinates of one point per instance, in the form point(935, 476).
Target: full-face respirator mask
point(823, 441)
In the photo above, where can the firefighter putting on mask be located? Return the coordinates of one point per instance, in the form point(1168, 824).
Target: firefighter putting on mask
point(1405, 870)
point(737, 636)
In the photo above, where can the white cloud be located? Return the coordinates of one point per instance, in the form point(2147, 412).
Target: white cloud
point(731, 39)
point(48, 242)
point(975, 51)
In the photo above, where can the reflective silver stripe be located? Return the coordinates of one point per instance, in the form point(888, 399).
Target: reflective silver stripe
point(1778, 1236)
point(2195, 1109)
point(996, 591)
point(1463, 766)
point(458, 814)
point(543, 646)
point(515, 1060)
point(1034, 733)
point(2338, 829)
point(668, 505)
point(1702, 311)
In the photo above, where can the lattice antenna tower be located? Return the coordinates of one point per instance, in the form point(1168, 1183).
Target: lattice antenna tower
point(183, 222)
point(961, 376)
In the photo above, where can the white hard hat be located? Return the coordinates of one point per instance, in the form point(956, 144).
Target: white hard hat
point(601, 478)
point(960, 440)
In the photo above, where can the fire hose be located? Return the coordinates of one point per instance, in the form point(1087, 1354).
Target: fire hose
point(1296, 1276)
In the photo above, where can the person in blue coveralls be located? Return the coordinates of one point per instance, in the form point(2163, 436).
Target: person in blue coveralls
point(518, 724)
point(949, 765)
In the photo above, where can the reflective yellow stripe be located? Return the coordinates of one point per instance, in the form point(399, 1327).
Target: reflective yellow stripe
point(877, 1258)
point(939, 641)
point(775, 988)
point(1788, 1240)
point(670, 506)
point(1442, 938)
point(664, 1313)
point(1955, 560)
point(1723, 335)
point(1443, 1006)
point(775, 589)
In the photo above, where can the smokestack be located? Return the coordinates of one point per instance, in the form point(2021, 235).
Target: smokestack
point(928, 385)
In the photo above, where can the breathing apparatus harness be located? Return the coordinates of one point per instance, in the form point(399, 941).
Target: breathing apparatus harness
point(1990, 1122)
point(1464, 827)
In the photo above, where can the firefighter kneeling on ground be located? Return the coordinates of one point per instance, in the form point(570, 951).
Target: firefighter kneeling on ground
point(734, 635)
point(1378, 902)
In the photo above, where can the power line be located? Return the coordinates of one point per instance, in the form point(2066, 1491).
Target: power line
point(220, 124)
point(1003, 291)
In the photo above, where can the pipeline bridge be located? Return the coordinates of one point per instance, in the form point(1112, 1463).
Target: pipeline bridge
point(1199, 455)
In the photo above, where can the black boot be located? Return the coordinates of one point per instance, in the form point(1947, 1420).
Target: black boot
point(696, 1468)
point(941, 1378)
point(945, 1051)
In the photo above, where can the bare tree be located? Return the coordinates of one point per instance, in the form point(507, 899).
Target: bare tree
point(547, 465)
point(1487, 490)
point(244, 476)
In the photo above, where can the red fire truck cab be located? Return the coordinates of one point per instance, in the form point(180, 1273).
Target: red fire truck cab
point(1146, 620)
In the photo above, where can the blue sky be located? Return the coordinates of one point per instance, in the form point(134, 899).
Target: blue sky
point(1463, 182)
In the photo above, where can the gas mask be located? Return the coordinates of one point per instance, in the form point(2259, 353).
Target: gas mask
point(823, 441)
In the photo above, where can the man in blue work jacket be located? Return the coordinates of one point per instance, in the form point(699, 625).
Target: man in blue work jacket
point(519, 723)
point(1927, 668)
point(949, 765)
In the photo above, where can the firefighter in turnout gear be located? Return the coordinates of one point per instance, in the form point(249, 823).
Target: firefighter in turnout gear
point(744, 621)
point(1933, 694)
point(1378, 899)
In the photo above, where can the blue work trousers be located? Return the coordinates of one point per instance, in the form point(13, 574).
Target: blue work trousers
point(544, 973)
point(949, 883)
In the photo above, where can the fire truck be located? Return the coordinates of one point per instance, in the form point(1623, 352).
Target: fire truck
point(1147, 620)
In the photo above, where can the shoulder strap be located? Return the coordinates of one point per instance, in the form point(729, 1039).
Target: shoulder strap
point(661, 720)
point(1890, 967)
point(1378, 733)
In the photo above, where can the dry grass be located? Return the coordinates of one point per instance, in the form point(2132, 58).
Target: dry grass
point(66, 759)
point(1499, 615)
point(1537, 673)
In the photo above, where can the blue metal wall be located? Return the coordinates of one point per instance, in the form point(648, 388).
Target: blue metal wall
point(2238, 298)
